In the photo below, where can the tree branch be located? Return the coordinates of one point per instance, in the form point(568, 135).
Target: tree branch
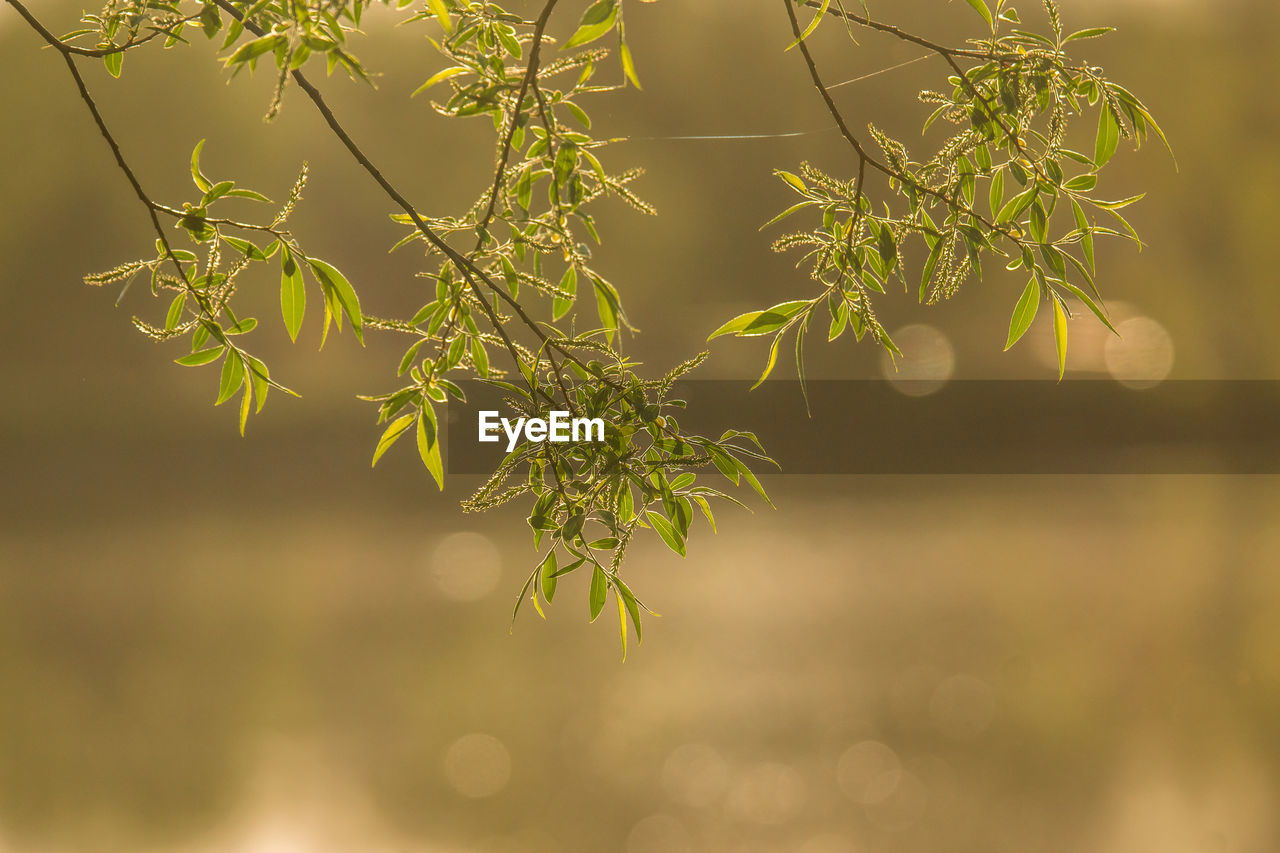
point(865, 159)
point(472, 273)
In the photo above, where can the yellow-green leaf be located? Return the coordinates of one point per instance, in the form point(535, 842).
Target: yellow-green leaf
point(1060, 335)
point(389, 436)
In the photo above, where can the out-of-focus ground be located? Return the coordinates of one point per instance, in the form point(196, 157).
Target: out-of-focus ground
point(209, 643)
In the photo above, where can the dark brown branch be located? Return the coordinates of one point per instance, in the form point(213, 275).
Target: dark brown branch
point(899, 33)
point(530, 75)
point(472, 273)
point(865, 159)
point(85, 96)
point(949, 54)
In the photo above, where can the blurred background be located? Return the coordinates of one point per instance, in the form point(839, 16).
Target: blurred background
point(260, 644)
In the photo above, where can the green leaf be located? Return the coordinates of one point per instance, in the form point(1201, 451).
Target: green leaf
point(293, 295)
point(249, 250)
point(813, 25)
point(1082, 183)
point(667, 532)
point(337, 284)
point(253, 49)
point(442, 14)
point(202, 183)
point(633, 606)
point(429, 448)
point(599, 591)
point(114, 62)
point(773, 359)
point(479, 357)
point(569, 284)
point(982, 10)
point(790, 210)
point(203, 356)
point(239, 192)
point(996, 194)
point(438, 77)
point(1060, 335)
point(596, 21)
point(752, 480)
point(1091, 305)
point(1090, 33)
point(607, 307)
point(773, 318)
point(629, 69)
point(549, 577)
point(1023, 313)
point(260, 381)
point(246, 403)
point(737, 324)
point(396, 429)
point(175, 312)
point(232, 377)
point(622, 625)
point(1108, 138)
point(210, 19)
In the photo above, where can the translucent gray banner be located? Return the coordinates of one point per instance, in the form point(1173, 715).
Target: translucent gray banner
point(964, 427)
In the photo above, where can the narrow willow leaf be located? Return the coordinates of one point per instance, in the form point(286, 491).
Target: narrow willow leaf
point(232, 377)
point(773, 318)
point(1091, 305)
point(1090, 33)
point(737, 324)
point(175, 312)
point(203, 356)
point(996, 194)
point(1060, 335)
point(813, 25)
point(981, 8)
point(667, 532)
point(1086, 239)
point(706, 510)
point(628, 63)
point(1108, 138)
point(202, 183)
point(784, 214)
point(1023, 313)
point(246, 403)
point(441, 12)
point(341, 289)
point(596, 21)
point(773, 359)
point(396, 429)
point(429, 448)
point(260, 379)
point(633, 607)
point(598, 593)
point(293, 296)
point(547, 569)
point(114, 62)
point(753, 481)
point(622, 624)
point(479, 358)
point(439, 77)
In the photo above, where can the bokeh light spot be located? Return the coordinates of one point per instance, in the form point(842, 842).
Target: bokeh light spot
point(695, 775)
point(869, 772)
point(1142, 356)
point(659, 833)
point(927, 363)
point(477, 765)
point(769, 794)
point(466, 566)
